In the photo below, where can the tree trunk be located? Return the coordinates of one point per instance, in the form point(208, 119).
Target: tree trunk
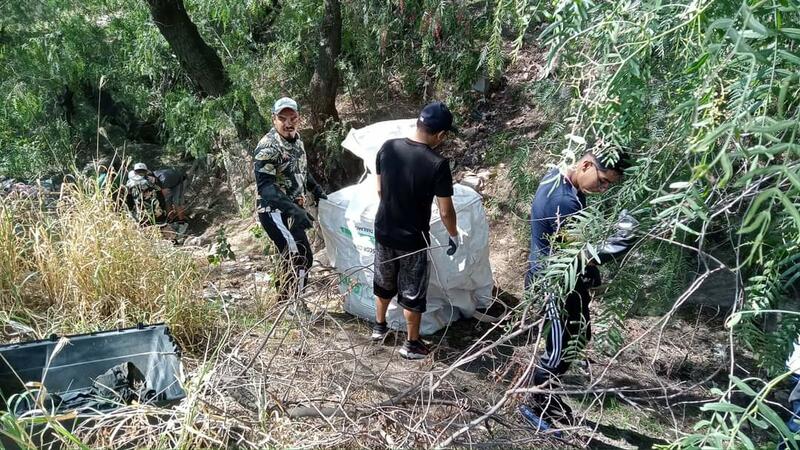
point(325, 81)
point(200, 61)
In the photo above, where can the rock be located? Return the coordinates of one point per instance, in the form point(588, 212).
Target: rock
point(473, 181)
point(481, 85)
point(16, 330)
point(468, 133)
point(262, 278)
point(211, 293)
point(195, 241)
point(485, 174)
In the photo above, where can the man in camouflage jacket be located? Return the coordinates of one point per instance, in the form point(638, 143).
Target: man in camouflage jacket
point(144, 198)
point(282, 179)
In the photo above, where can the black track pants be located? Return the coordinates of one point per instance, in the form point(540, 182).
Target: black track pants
point(567, 328)
point(292, 243)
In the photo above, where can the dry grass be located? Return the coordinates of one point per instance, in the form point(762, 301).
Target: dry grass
point(85, 265)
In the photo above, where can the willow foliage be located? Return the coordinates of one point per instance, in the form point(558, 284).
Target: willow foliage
point(706, 94)
point(390, 49)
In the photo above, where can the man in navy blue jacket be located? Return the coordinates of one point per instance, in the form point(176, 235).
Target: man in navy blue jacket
point(560, 195)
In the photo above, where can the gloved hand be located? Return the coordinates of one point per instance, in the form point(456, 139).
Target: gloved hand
point(456, 241)
point(321, 195)
point(622, 239)
point(591, 276)
point(453, 243)
point(301, 219)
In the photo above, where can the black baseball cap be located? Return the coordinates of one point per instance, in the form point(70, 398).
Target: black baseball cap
point(436, 117)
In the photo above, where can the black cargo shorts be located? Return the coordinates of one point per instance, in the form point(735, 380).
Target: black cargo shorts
point(402, 273)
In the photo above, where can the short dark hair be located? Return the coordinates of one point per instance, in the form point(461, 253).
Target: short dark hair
point(608, 162)
point(425, 128)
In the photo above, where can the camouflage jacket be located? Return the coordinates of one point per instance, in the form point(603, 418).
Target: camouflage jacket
point(281, 170)
point(145, 199)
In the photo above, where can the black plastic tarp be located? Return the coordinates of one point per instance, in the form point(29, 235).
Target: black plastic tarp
point(93, 372)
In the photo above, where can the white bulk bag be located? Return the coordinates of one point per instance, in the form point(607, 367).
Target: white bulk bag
point(458, 284)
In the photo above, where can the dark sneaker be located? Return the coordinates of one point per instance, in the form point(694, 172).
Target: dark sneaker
point(414, 350)
point(550, 407)
point(379, 331)
point(539, 424)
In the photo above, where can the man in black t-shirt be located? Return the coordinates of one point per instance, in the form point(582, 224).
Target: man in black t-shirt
point(410, 173)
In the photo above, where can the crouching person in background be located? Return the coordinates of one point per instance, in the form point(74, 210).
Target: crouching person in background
point(282, 179)
point(144, 197)
point(173, 185)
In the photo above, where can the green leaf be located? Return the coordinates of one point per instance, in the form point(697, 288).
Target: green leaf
point(760, 218)
point(754, 208)
point(723, 407)
point(792, 33)
point(782, 94)
point(746, 441)
point(788, 57)
point(696, 65)
point(593, 252)
point(758, 422)
point(685, 228)
point(775, 127)
point(727, 168)
point(741, 384)
point(774, 419)
point(667, 198)
point(791, 209)
point(753, 23)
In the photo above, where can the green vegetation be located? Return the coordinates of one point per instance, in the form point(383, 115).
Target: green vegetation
point(68, 67)
point(704, 94)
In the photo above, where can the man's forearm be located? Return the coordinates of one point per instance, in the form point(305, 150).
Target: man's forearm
point(448, 214)
point(450, 224)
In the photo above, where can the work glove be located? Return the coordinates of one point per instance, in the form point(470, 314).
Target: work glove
point(453, 245)
point(621, 240)
point(591, 276)
point(300, 218)
point(455, 241)
point(321, 195)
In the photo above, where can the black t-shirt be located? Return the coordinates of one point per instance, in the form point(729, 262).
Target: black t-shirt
point(411, 175)
point(169, 177)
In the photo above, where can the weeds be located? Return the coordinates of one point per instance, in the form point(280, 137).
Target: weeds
point(222, 249)
point(88, 266)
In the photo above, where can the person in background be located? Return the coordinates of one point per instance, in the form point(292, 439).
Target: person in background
point(173, 184)
point(145, 199)
point(282, 180)
point(410, 173)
